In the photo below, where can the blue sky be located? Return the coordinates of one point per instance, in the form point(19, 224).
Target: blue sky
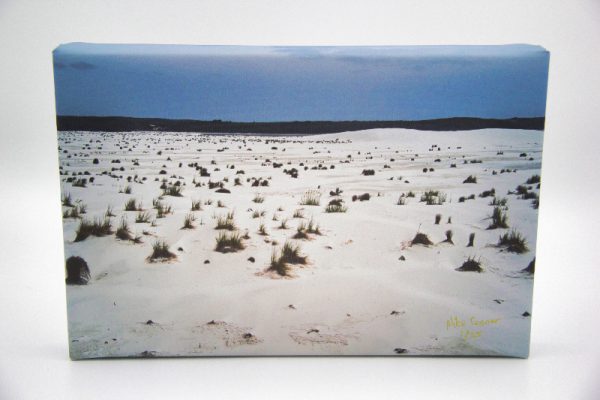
point(258, 83)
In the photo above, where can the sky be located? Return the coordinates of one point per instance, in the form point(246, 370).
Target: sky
point(256, 83)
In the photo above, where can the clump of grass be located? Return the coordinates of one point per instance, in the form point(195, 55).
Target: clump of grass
point(98, 227)
point(288, 254)
point(258, 198)
point(311, 198)
point(470, 265)
point(401, 200)
point(196, 205)
point(531, 267)
point(299, 213)
point(533, 180)
point(127, 189)
point(301, 231)
point(449, 235)
point(226, 222)
point(410, 194)
point(67, 200)
point(438, 218)
point(362, 197)
point(229, 242)
point(161, 252)
point(470, 179)
point(471, 239)
point(262, 230)
point(513, 242)
point(499, 219)
point(131, 205)
point(220, 204)
point(488, 193)
point(283, 224)
point(499, 201)
point(336, 208)
point(109, 212)
point(258, 214)
point(313, 227)
point(142, 217)
point(172, 190)
point(162, 209)
point(188, 221)
point(421, 238)
point(123, 231)
point(434, 197)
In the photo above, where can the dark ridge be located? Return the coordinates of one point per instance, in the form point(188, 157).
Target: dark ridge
point(129, 124)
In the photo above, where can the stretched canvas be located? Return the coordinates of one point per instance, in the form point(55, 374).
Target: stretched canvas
point(242, 201)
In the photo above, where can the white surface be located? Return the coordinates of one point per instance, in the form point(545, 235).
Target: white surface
point(565, 353)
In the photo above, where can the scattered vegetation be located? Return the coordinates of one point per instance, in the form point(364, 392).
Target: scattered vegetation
point(533, 180)
point(123, 231)
point(531, 267)
point(499, 201)
point(229, 242)
point(161, 252)
point(337, 207)
point(196, 205)
point(226, 222)
point(421, 238)
point(470, 265)
point(98, 227)
point(513, 242)
point(311, 198)
point(433, 197)
point(449, 235)
point(173, 190)
point(470, 179)
point(471, 239)
point(262, 230)
point(283, 224)
point(362, 197)
point(67, 201)
point(131, 205)
point(143, 217)
point(288, 254)
point(258, 198)
point(188, 221)
point(499, 219)
point(299, 213)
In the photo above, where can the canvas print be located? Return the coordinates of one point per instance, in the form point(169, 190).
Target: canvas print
point(251, 201)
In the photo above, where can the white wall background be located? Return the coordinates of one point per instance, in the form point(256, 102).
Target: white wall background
point(565, 358)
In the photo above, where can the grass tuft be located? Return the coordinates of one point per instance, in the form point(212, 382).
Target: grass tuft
point(161, 252)
point(514, 242)
point(470, 265)
point(311, 198)
point(98, 227)
point(421, 238)
point(229, 242)
point(188, 221)
point(499, 219)
point(288, 254)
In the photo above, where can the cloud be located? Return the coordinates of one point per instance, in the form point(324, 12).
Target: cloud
point(82, 65)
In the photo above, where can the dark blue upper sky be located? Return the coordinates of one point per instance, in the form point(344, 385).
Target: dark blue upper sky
point(300, 83)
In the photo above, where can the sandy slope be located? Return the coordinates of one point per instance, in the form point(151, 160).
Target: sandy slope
point(354, 297)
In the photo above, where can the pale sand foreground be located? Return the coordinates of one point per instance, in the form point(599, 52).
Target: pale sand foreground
point(355, 297)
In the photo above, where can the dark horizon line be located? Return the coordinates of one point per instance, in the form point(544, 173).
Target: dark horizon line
point(128, 124)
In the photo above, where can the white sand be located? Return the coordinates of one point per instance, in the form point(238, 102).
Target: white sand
point(355, 297)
